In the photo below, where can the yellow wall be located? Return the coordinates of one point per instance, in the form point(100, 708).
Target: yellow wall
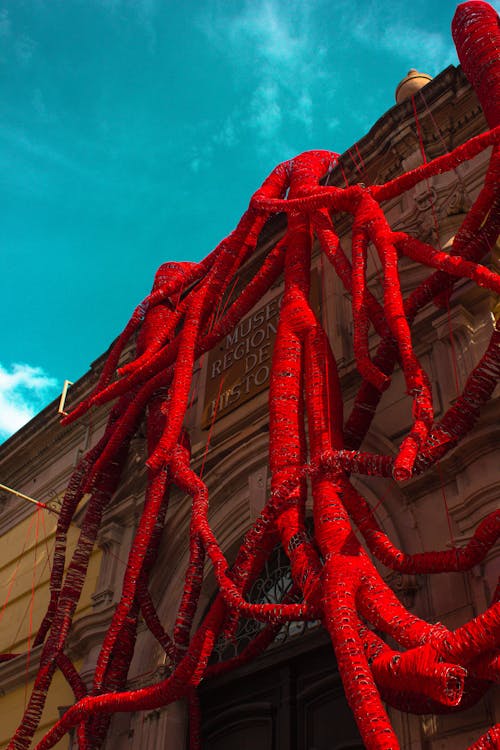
point(25, 558)
point(12, 707)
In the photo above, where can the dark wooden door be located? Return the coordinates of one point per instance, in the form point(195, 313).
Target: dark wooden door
point(291, 699)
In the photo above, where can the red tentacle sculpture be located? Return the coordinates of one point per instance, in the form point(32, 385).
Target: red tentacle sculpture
point(310, 443)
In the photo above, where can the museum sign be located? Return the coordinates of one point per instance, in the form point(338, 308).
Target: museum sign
point(239, 368)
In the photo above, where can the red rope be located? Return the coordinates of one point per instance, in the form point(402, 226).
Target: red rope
point(453, 350)
point(14, 574)
point(438, 131)
point(445, 503)
point(346, 181)
point(212, 422)
point(361, 160)
point(310, 447)
point(31, 604)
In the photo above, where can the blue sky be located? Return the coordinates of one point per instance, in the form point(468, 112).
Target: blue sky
point(134, 132)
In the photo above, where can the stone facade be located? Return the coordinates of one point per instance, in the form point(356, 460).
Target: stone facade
point(439, 509)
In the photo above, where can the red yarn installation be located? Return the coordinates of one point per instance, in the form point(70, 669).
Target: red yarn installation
point(432, 669)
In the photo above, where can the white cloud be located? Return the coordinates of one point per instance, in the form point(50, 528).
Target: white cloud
point(303, 110)
point(201, 157)
point(275, 45)
point(24, 390)
point(5, 25)
point(195, 165)
point(22, 45)
point(25, 48)
point(227, 135)
point(143, 12)
point(265, 109)
point(396, 35)
point(333, 123)
point(265, 26)
point(40, 106)
point(18, 140)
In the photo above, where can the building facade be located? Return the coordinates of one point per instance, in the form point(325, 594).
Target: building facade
point(291, 697)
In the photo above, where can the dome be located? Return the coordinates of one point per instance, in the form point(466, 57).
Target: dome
point(410, 84)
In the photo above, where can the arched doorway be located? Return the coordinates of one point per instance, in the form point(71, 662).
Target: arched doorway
point(291, 698)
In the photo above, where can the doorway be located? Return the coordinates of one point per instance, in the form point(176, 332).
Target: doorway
point(290, 699)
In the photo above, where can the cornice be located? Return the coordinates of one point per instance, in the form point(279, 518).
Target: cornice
point(393, 137)
point(16, 671)
point(88, 631)
point(483, 440)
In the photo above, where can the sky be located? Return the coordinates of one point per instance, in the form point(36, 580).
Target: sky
point(133, 132)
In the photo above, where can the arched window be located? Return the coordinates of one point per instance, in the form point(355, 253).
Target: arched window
point(270, 587)
point(291, 697)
